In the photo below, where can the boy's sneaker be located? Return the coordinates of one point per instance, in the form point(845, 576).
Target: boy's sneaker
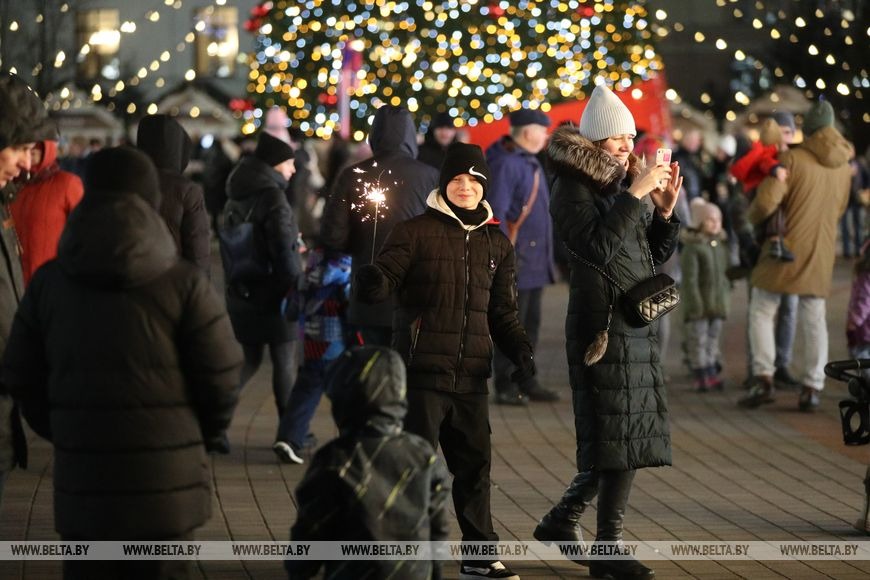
point(287, 453)
point(492, 570)
point(783, 380)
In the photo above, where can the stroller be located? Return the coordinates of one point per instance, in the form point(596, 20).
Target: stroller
point(855, 416)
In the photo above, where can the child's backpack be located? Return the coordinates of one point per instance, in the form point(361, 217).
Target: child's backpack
point(242, 254)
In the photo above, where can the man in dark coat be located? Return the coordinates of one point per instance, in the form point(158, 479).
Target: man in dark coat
point(455, 277)
point(123, 356)
point(166, 142)
point(348, 224)
point(23, 121)
point(255, 190)
point(374, 482)
point(520, 200)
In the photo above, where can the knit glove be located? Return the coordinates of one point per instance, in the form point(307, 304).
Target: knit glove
point(525, 367)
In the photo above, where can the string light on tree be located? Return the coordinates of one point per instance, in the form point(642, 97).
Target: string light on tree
point(474, 59)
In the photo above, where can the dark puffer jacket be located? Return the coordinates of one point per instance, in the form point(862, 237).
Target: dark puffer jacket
point(255, 305)
point(182, 206)
point(374, 482)
point(620, 404)
point(456, 288)
point(122, 355)
point(348, 224)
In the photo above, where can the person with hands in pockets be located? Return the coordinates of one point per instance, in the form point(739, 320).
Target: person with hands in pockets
point(454, 275)
point(617, 384)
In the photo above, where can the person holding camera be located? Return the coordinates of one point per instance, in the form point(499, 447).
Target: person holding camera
point(617, 383)
point(454, 273)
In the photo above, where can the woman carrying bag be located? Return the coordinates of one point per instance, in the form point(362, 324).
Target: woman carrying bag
point(617, 385)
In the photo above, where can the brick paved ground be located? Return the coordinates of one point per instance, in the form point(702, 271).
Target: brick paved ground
point(768, 474)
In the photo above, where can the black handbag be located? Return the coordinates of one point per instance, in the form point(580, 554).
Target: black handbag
point(645, 301)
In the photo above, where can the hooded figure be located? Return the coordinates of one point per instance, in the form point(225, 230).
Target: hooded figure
point(348, 226)
point(166, 142)
point(374, 482)
point(40, 209)
point(123, 356)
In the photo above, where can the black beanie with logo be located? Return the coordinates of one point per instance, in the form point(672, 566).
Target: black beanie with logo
point(463, 158)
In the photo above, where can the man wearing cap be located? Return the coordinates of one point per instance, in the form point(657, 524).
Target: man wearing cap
point(255, 189)
point(441, 133)
point(520, 200)
point(813, 198)
point(23, 121)
point(453, 272)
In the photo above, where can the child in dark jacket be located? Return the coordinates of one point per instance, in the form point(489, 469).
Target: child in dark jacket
point(705, 291)
point(321, 305)
point(349, 492)
point(454, 274)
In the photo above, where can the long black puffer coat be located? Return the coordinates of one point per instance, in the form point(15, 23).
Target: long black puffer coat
point(123, 356)
point(456, 288)
point(255, 305)
point(620, 403)
point(374, 482)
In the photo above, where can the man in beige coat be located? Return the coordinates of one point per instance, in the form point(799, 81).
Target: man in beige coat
point(814, 197)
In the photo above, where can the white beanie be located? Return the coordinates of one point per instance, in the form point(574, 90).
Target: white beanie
point(605, 116)
point(700, 210)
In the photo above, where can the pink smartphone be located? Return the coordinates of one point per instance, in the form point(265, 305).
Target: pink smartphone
point(663, 157)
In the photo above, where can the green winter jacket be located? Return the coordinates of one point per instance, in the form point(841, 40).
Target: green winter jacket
point(705, 288)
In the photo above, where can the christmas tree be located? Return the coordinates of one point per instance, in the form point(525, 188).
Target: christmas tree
point(332, 62)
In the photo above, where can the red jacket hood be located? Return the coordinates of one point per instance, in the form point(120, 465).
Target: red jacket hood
point(49, 156)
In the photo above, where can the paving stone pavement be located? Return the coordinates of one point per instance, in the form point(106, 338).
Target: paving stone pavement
point(771, 473)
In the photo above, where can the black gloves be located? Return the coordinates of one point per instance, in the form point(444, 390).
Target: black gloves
point(369, 279)
point(525, 367)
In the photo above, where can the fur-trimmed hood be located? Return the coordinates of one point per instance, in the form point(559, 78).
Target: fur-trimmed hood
point(575, 156)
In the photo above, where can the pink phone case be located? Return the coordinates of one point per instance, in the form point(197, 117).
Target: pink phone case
point(663, 157)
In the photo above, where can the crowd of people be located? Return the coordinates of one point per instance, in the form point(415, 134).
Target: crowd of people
point(117, 346)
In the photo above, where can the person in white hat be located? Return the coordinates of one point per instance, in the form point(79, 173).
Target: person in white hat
point(620, 405)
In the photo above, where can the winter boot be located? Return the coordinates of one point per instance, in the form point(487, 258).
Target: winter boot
point(714, 381)
point(562, 523)
point(699, 382)
point(863, 523)
point(612, 500)
point(760, 393)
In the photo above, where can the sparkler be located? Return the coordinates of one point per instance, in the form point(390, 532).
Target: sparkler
point(374, 193)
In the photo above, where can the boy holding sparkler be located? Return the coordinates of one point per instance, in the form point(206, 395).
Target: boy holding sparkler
point(454, 275)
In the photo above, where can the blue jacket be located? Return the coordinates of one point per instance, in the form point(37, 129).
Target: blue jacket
point(513, 172)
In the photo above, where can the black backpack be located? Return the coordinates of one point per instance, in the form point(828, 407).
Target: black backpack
point(244, 259)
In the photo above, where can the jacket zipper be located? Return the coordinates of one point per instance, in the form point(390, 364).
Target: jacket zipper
point(464, 316)
point(419, 323)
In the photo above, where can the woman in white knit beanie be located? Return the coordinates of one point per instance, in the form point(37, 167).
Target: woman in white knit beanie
point(620, 404)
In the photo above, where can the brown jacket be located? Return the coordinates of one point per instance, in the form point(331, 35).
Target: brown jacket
point(814, 197)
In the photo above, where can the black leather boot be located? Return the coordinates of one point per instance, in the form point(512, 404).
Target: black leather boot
point(562, 523)
point(614, 487)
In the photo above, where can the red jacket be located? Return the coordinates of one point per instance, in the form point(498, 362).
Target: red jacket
point(757, 164)
point(40, 209)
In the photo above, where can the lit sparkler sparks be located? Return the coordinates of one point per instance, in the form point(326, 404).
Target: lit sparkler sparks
point(371, 193)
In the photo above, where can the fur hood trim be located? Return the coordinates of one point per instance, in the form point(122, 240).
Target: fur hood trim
point(575, 156)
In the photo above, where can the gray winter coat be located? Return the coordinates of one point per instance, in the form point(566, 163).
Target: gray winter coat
point(620, 404)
